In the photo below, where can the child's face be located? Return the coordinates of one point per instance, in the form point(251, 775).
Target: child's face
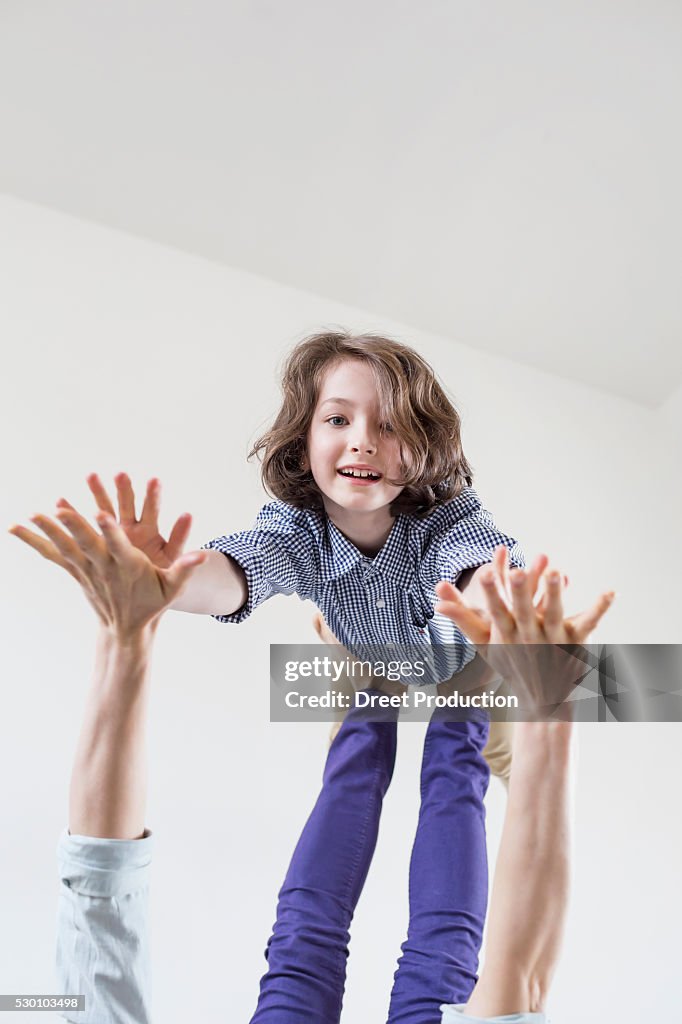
point(345, 431)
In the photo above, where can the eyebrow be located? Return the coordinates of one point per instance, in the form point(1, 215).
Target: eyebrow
point(342, 401)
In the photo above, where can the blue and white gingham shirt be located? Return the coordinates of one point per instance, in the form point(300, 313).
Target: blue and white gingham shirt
point(386, 600)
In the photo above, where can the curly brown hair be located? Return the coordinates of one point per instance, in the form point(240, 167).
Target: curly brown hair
point(411, 399)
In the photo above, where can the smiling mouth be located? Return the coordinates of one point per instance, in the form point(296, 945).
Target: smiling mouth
point(363, 476)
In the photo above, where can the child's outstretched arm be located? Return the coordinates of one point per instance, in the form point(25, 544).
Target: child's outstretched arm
point(218, 585)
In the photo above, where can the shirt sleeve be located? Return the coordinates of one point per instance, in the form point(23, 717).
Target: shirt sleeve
point(103, 929)
point(279, 556)
point(452, 1014)
point(471, 542)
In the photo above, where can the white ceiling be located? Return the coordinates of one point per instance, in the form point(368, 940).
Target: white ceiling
point(504, 173)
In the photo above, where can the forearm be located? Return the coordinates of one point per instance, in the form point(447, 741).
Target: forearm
point(217, 587)
point(109, 778)
point(530, 891)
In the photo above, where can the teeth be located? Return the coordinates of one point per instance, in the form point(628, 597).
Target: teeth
point(362, 473)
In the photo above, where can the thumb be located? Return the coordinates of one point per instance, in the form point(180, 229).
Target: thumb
point(472, 621)
point(182, 568)
point(583, 624)
point(469, 621)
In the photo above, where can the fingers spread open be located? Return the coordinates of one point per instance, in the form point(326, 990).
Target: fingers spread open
point(522, 606)
point(554, 611)
point(118, 545)
point(100, 494)
point(126, 499)
point(68, 554)
point(584, 623)
point(89, 543)
point(535, 572)
point(40, 544)
point(501, 566)
point(178, 535)
point(152, 499)
point(496, 606)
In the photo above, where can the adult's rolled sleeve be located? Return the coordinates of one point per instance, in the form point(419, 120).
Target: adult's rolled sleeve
point(278, 556)
point(103, 928)
point(452, 1014)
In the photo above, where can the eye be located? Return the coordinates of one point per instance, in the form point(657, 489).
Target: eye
point(331, 418)
point(388, 428)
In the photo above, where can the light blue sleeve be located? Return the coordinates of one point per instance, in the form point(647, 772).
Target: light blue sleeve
point(455, 1015)
point(103, 928)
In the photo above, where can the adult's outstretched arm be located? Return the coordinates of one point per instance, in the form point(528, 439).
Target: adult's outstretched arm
point(529, 900)
point(104, 855)
point(530, 891)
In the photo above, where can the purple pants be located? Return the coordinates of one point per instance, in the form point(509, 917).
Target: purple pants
point(308, 949)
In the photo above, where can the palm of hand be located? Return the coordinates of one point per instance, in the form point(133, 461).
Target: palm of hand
point(130, 594)
point(147, 539)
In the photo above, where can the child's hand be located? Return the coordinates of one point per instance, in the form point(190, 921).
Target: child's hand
point(143, 533)
point(127, 591)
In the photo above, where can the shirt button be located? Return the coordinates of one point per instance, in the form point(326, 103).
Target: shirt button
point(380, 603)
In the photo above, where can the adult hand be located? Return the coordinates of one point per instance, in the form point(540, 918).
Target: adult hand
point(124, 586)
point(538, 669)
point(143, 533)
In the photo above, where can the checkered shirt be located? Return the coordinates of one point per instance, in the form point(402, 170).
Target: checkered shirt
point(382, 603)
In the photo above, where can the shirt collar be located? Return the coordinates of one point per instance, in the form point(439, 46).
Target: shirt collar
point(340, 556)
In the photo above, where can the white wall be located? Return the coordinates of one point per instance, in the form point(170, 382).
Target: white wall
point(122, 354)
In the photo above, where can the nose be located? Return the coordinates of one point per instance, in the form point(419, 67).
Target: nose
point(364, 437)
point(363, 445)
point(370, 449)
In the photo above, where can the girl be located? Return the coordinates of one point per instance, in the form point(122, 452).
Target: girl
point(373, 506)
